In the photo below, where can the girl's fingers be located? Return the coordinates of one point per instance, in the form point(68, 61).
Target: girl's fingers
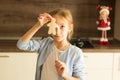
point(59, 64)
point(46, 16)
point(60, 67)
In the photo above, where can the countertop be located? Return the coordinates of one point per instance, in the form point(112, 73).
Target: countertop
point(10, 46)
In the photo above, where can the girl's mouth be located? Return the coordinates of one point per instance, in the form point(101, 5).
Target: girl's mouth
point(56, 36)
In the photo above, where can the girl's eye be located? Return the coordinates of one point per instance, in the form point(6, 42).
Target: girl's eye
point(62, 26)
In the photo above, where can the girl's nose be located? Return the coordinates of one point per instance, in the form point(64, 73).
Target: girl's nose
point(57, 30)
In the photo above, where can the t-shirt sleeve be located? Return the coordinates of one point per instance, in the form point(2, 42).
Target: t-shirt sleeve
point(33, 45)
point(79, 65)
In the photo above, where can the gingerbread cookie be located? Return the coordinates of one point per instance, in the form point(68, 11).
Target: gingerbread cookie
point(52, 27)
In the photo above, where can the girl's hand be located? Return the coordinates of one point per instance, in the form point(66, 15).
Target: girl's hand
point(60, 67)
point(44, 18)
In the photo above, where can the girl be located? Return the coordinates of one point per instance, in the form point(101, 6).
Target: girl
point(57, 59)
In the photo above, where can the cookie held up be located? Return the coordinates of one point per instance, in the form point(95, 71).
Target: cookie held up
point(52, 27)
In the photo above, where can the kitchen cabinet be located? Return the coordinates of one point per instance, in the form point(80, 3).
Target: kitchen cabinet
point(99, 66)
point(17, 66)
point(22, 65)
point(116, 69)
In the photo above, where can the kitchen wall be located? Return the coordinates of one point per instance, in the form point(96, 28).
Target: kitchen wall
point(17, 16)
point(117, 20)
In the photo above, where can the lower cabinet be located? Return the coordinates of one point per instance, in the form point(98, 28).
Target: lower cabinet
point(22, 66)
point(99, 66)
point(17, 66)
point(116, 69)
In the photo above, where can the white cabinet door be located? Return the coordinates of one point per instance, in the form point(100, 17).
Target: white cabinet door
point(116, 71)
point(17, 66)
point(4, 67)
point(98, 74)
point(98, 66)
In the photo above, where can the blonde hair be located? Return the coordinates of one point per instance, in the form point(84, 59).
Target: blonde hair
point(65, 13)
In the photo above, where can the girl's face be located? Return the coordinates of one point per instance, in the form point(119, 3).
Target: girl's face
point(62, 30)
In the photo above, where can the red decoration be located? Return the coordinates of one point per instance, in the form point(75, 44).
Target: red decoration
point(103, 23)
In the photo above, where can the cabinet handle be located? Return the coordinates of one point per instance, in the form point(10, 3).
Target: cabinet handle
point(4, 56)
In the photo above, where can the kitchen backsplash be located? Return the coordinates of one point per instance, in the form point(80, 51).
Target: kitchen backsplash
point(17, 16)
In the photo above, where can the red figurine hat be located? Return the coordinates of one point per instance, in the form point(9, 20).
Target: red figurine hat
point(104, 8)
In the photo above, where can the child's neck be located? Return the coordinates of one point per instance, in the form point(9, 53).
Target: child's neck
point(62, 45)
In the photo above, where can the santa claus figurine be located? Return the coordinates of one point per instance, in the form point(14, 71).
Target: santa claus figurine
point(103, 23)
